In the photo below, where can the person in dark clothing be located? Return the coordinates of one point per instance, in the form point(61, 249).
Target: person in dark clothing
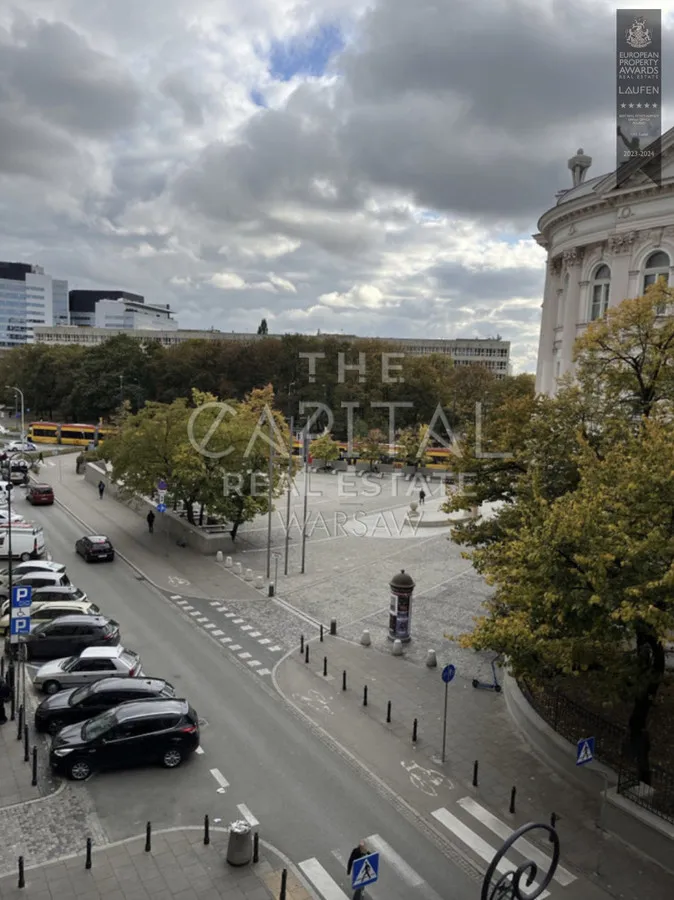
point(150, 521)
point(101, 489)
point(5, 694)
point(422, 496)
point(357, 853)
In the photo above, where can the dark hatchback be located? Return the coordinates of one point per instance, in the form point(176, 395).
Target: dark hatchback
point(95, 548)
point(78, 704)
point(40, 495)
point(137, 733)
point(70, 635)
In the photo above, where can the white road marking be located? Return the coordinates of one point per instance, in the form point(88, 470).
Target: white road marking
point(181, 602)
point(324, 884)
point(263, 671)
point(238, 621)
point(187, 607)
point(235, 647)
point(216, 603)
point(407, 873)
point(254, 662)
point(245, 655)
point(199, 750)
point(484, 850)
point(247, 815)
point(220, 778)
point(195, 612)
point(201, 619)
point(218, 633)
point(246, 627)
point(176, 597)
point(230, 615)
point(264, 641)
point(275, 649)
point(500, 829)
point(255, 634)
point(209, 625)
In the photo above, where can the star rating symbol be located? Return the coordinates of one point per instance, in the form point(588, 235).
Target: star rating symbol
point(623, 105)
point(654, 105)
point(645, 105)
point(638, 105)
point(631, 105)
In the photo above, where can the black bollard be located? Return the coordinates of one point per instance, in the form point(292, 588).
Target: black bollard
point(207, 831)
point(325, 666)
point(388, 711)
point(26, 745)
point(306, 654)
point(19, 723)
point(301, 643)
point(12, 707)
point(475, 767)
point(365, 696)
point(321, 634)
point(2, 666)
point(87, 864)
point(333, 626)
point(284, 883)
point(34, 781)
point(553, 825)
point(344, 680)
point(22, 877)
point(271, 590)
point(256, 847)
point(414, 732)
point(513, 794)
point(148, 837)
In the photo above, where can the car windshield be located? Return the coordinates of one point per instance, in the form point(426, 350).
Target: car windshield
point(94, 728)
point(69, 664)
point(79, 695)
point(78, 594)
point(40, 628)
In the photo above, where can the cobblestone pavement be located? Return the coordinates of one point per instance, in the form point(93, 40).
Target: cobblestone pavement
point(177, 866)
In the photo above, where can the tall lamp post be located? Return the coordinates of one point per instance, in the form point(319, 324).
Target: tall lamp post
point(11, 387)
point(523, 882)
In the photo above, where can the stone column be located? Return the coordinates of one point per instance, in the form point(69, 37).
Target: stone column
point(572, 261)
point(548, 322)
point(620, 247)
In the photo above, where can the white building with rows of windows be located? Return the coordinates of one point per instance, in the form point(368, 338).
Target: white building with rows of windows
point(605, 243)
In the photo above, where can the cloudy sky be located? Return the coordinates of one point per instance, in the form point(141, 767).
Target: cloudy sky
point(374, 167)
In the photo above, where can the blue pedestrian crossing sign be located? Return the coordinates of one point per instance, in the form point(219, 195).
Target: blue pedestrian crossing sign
point(161, 507)
point(584, 751)
point(22, 595)
point(365, 871)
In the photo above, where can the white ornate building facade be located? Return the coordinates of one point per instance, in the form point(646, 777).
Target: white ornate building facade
point(604, 243)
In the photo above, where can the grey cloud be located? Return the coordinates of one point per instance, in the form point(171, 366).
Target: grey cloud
point(29, 147)
point(176, 86)
point(486, 285)
point(57, 74)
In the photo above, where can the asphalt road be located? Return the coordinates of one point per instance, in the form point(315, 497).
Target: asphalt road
point(309, 801)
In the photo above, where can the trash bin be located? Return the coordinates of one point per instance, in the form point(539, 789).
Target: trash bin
point(240, 845)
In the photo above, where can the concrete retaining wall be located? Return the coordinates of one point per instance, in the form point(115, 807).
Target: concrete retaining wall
point(178, 529)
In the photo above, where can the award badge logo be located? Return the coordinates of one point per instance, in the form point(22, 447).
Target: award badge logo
point(638, 35)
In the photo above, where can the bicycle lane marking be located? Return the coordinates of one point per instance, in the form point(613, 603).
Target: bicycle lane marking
point(426, 780)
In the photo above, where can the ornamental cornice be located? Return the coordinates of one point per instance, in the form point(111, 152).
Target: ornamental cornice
point(622, 243)
point(574, 256)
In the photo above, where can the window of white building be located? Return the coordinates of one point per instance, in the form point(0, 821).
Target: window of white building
point(657, 266)
point(601, 285)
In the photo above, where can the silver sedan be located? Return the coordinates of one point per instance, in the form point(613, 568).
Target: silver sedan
point(92, 664)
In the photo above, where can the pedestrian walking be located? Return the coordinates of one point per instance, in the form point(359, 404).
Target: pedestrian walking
point(101, 489)
point(357, 853)
point(150, 522)
point(5, 694)
point(422, 496)
point(41, 458)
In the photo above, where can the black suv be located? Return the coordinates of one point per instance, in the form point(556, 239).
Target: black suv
point(145, 731)
point(95, 547)
point(91, 700)
point(70, 635)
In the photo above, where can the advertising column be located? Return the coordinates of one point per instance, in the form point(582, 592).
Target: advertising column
point(639, 100)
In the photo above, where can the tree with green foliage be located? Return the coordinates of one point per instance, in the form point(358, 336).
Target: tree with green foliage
point(263, 328)
point(371, 447)
point(411, 446)
point(324, 448)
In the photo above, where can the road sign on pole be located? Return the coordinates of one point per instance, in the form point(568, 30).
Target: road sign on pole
point(584, 751)
point(19, 614)
point(22, 595)
point(448, 674)
point(162, 485)
point(19, 625)
point(161, 507)
point(365, 871)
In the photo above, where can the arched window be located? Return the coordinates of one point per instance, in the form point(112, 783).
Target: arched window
point(657, 266)
point(601, 285)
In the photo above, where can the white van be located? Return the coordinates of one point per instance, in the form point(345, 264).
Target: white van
point(27, 541)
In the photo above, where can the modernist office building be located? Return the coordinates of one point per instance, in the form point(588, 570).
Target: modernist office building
point(119, 310)
point(29, 298)
point(605, 244)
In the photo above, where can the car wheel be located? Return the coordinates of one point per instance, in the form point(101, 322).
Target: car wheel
point(172, 758)
point(79, 769)
point(55, 726)
point(51, 687)
point(25, 557)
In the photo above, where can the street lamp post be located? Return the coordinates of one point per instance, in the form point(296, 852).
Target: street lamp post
point(12, 387)
point(520, 884)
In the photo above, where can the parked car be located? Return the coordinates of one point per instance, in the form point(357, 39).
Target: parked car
point(78, 704)
point(69, 636)
point(4, 516)
point(91, 665)
point(52, 594)
point(47, 612)
point(40, 495)
point(31, 565)
point(27, 541)
point(95, 547)
point(21, 447)
point(158, 731)
point(37, 580)
point(16, 471)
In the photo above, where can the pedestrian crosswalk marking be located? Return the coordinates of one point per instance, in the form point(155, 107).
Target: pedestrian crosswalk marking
point(264, 641)
point(500, 829)
point(263, 671)
point(194, 612)
point(225, 640)
point(181, 602)
point(254, 662)
point(395, 861)
point(187, 607)
point(238, 621)
point(235, 647)
point(216, 604)
point(246, 627)
point(326, 886)
point(275, 649)
point(244, 655)
point(255, 634)
point(218, 633)
point(230, 615)
point(209, 625)
point(479, 846)
point(176, 597)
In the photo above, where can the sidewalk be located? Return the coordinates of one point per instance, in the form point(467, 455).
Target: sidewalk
point(179, 866)
point(479, 728)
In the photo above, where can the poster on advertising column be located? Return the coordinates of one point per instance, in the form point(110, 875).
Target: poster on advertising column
point(639, 99)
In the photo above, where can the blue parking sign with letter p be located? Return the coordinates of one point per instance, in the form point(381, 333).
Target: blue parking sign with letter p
point(19, 625)
point(21, 595)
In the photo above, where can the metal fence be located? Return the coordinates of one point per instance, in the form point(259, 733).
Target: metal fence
point(657, 797)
